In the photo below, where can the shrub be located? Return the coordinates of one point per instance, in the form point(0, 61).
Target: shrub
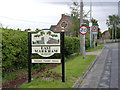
point(15, 49)
point(72, 45)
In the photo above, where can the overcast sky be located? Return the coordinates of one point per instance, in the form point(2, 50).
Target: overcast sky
point(34, 14)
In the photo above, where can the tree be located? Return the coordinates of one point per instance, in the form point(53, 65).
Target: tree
point(112, 22)
point(75, 18)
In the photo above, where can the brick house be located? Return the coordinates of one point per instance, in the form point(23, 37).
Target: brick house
point(66, 19)
point(106, 35)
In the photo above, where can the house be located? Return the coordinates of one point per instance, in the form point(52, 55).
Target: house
point(106, 35)
point(66, 22)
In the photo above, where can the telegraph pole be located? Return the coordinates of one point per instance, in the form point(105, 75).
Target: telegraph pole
point(112, 31)
point(81, 22)
point(90, 20)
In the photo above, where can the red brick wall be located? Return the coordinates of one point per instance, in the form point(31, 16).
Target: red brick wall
point(106, 35)
point(63, 18)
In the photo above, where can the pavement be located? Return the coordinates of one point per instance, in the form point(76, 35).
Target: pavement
point(94, 52)
point(104, 73)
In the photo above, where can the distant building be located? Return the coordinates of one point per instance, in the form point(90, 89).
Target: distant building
point(106, 35)
point(66, 20)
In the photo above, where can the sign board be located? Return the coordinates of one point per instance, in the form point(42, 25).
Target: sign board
point(46, 60)
point(94, 29)
point(83, 30)
point(46, 43)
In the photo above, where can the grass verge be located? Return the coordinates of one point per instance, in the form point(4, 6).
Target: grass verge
point(94, 49)
point(11, 76)
point(74, 68)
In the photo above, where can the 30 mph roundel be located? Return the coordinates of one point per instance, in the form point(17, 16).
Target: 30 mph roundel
point(83, 30)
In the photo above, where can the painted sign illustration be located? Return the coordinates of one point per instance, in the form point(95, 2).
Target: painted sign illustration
point(46, 43)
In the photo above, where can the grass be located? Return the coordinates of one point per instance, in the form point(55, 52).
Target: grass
point(74, 68)
point(94, 49)
point(10, 76)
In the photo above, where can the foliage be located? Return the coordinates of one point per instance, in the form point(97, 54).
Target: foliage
point(72, 45)
point(74, 69)
point(112, 22)
point(14, 49)
point(75, 18)
point(94, 49)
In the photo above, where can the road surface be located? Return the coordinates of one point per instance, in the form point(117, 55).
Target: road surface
point(106, 71)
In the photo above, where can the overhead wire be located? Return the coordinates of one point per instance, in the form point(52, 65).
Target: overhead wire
point(23, 20)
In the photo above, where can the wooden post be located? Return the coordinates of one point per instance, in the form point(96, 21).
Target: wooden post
point(29, 56)
point(63, 62)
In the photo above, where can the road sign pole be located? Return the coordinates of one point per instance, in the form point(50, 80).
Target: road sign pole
point(83, 30)
point(90, 36)
point(94, 40)
point(83, 46)
point(62, 51)
point(29, 56)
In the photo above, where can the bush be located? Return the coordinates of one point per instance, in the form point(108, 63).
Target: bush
point(72, 45)
point(15, 49)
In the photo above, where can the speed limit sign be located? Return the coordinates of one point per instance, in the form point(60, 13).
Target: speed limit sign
point(83, 30)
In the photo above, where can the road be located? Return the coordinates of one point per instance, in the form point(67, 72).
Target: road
point(104, 73)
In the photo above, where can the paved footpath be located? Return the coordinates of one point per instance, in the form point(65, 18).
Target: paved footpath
point(104, 73)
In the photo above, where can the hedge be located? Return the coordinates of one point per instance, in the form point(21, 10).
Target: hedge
point(15, 50)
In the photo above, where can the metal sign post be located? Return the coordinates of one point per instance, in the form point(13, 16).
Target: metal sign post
point(83, 46)
point(94, 32)
point(83, 30)
point(94, 40)
point(90, 34)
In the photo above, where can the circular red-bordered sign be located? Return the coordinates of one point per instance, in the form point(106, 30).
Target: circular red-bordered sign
point(83, 30)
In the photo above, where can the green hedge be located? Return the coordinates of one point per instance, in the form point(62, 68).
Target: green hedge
point(15, 50)
point(72, 45)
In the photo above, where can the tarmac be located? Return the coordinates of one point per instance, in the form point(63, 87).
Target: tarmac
point(103, 72)
point(94, 75)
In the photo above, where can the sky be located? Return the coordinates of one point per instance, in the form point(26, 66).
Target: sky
point(42, 14)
